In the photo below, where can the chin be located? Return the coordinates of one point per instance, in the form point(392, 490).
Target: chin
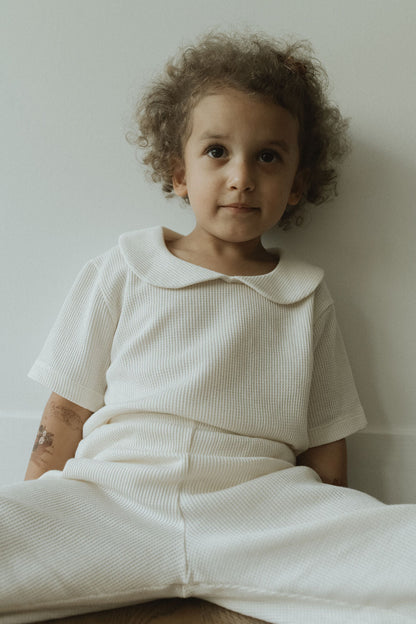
point(240, 237)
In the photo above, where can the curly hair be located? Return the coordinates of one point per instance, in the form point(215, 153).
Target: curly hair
point(285, 72)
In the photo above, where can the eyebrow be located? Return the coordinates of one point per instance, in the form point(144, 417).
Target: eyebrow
point(280, 143)
point(212, 136)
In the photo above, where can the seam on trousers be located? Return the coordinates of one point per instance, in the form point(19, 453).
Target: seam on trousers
point(187, 580)
point(329, 601)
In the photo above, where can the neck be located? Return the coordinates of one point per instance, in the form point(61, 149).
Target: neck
point(202, 243)
point(232, 258)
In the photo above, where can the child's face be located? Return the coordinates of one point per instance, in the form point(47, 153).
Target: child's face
point(240, 165)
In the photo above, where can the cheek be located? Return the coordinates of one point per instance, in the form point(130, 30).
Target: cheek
point(202, 183)
point(278, 185)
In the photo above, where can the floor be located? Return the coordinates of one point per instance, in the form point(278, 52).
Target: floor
point(174, 611)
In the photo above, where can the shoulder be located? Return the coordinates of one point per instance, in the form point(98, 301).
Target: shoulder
point(323, 301)
point(294, 280)
point(106, 274)
point(136, 253)
point(110, 268)
point(145, 253)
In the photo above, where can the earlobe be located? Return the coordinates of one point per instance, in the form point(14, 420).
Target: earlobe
point(294, 198)
point(179, 182)
point(298, 187)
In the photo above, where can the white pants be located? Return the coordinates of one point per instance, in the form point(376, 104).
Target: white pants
point(250, 533)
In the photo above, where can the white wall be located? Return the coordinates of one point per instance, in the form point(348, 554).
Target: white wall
point(70, 72)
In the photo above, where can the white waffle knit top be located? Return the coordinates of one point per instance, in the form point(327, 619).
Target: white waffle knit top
point(143, 332)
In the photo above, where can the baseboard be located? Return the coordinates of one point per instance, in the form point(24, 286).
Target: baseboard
point(381, 463)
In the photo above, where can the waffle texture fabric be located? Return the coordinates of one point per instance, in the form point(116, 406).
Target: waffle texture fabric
point(205, 387)
point(144, 331)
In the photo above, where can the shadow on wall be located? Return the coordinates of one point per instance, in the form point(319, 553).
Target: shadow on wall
point(383, 465)
point(364, 241)
point(368, 227)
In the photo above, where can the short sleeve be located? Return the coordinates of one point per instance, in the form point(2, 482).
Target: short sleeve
point(334, 410)
point(77, 352)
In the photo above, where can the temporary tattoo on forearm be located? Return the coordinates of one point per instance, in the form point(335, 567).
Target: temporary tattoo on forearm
point(44, 439)
point(68, 416)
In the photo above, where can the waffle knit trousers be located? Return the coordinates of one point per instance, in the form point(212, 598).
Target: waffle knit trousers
point(232, 522)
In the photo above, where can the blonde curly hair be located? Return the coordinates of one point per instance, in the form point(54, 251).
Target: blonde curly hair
point(285, 72)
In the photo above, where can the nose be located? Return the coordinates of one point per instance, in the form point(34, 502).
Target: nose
point(240, 176)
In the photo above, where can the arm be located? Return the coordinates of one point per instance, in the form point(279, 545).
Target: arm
point(329, 461)
point(59, 434)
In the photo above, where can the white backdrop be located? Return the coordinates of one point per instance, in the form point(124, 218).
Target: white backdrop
point(70, 183)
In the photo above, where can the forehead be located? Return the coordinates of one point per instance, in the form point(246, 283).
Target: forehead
point(229, 110)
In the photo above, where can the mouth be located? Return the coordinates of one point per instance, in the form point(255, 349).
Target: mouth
point(239, 208)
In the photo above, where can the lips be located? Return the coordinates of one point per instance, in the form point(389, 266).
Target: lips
point(236, 207)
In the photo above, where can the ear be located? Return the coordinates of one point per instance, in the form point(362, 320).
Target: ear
point(299, 186)
point(179, 181)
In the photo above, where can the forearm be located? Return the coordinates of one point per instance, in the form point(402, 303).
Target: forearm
point(59, 434)
point(329, 461)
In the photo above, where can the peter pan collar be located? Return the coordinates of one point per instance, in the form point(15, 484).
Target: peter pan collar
point(148, 257)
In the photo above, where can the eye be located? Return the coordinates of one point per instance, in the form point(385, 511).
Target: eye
point(269, 156)
point(215, 151)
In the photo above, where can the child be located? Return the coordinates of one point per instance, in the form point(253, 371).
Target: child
point(208, 381)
